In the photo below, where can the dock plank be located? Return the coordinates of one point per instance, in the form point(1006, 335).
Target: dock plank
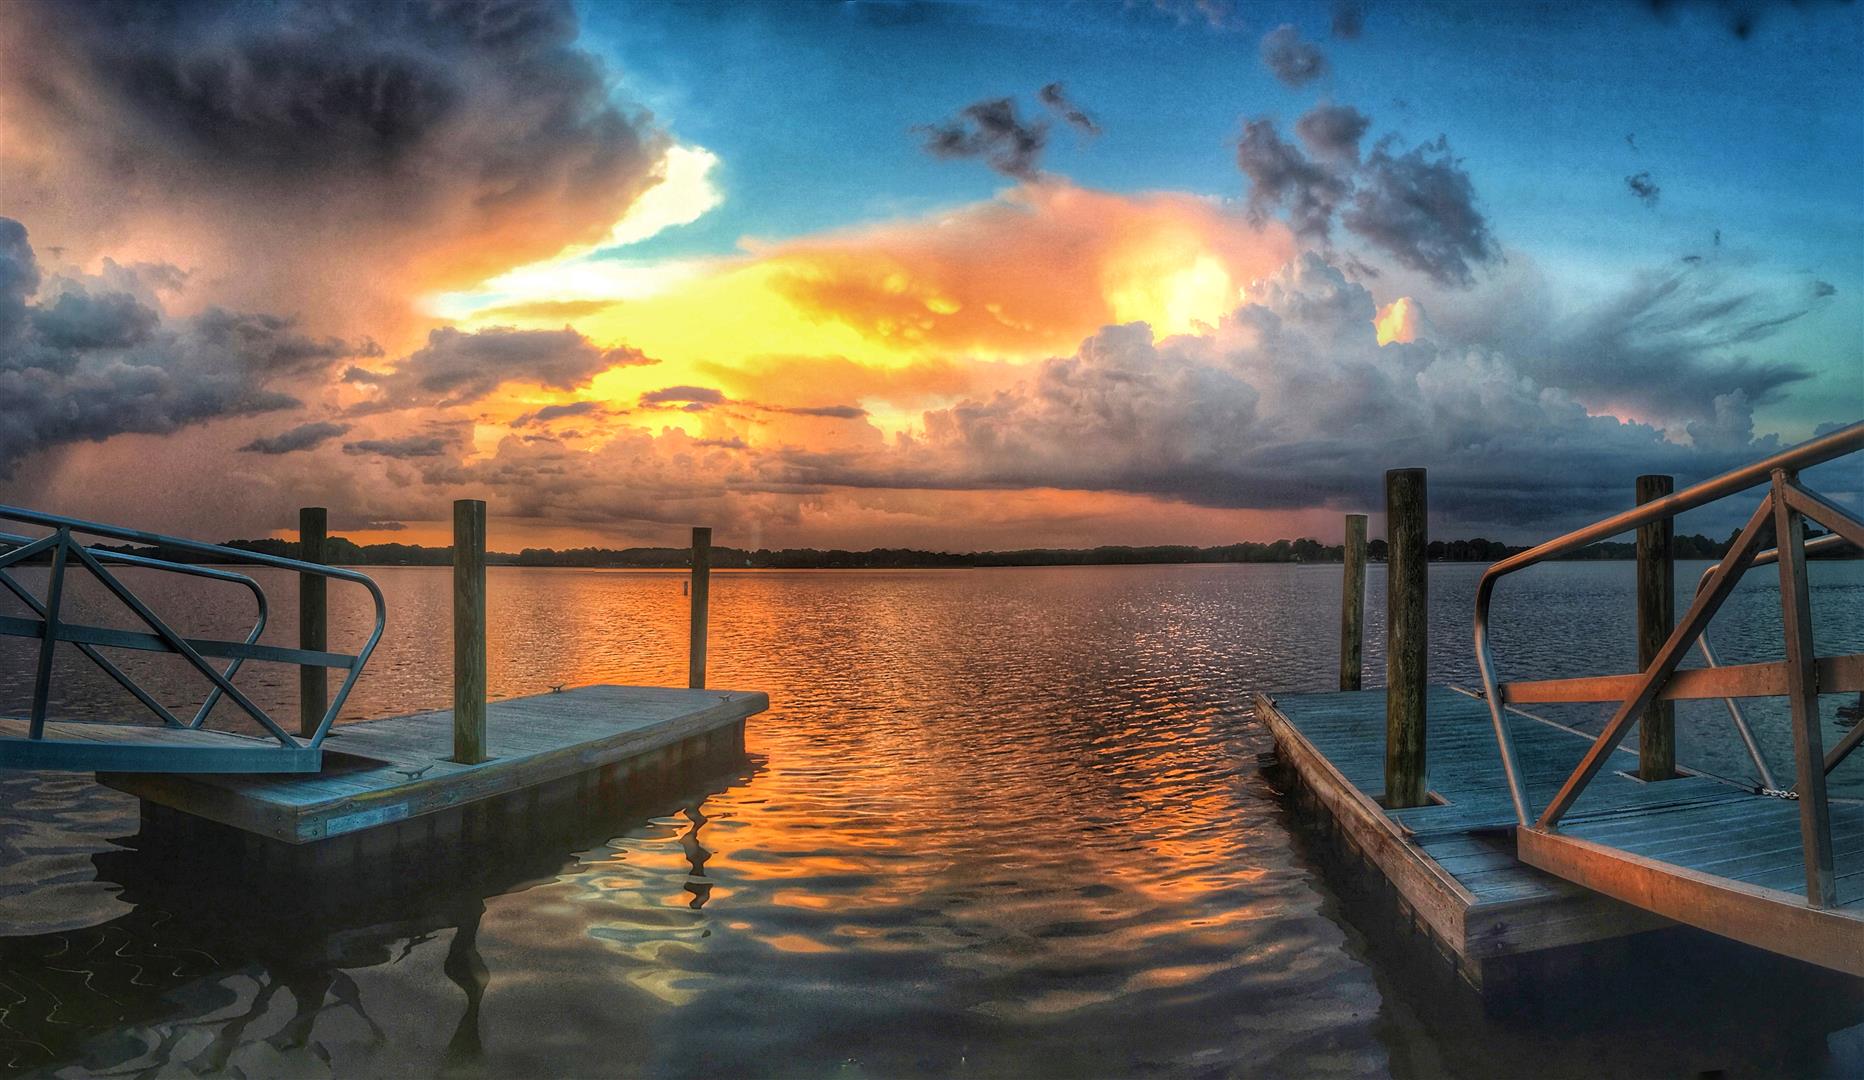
point(380, 771)
point(1753, 840)
point(1453, 861)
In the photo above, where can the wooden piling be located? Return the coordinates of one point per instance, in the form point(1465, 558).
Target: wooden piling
point(1656, 618)
point(701, 597)
point(1353, 601)
point(313, 619)
point(1407, 643)
point(469, 631)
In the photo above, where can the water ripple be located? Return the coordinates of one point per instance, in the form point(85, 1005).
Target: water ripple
point(998, 823)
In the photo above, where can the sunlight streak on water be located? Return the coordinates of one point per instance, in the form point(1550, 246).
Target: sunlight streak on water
point(1004, 822)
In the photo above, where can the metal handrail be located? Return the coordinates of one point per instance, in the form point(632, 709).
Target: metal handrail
point(1735, 715)
point(12, 540)
point(60, 544)
point(1817, 451)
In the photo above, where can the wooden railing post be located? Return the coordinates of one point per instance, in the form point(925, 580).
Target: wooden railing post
point(701, 597)
point(1656, 618)
point(1353, 601)
point(469, 631)
point(313, 619)
point(1407, 642)
point(1802, 695)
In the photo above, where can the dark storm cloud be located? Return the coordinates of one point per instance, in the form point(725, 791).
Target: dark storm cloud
point(1293, 61)
point(1644, 188)
point(335, 87)
point(990, 130)
point(1728, 426)
point(19, 277)
point(1420, 208)
point(307, 135)
point(267, 345)
point(1227, 420)
point(696, 395)
point(702, 398)
point(78, 321)
point(291, 440)
point(82, 361)
point(1281, 177)
point(1056, 99)
point(833, 412)
point(1332, 132)
point(1349, 20)
point(408, 446)
point(556, 412)
point(1667, 343)
point(457, 366)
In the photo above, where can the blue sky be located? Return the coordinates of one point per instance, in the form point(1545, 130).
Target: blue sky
point(1124, 337)
point(811, 107)
point(1755, 142)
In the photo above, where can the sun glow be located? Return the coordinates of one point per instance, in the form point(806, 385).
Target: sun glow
point(911, 314)
point(1174, 301)
point(1398, 321)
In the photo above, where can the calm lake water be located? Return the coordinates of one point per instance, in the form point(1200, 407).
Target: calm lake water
point(995, 823)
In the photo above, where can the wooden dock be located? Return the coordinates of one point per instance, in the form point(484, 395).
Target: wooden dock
point(384, 772)
point(1452, 861)
point(1507, 834)
point(1734, 867)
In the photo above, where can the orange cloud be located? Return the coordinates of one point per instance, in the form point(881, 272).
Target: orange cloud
point(911, 313)
point(1024, 275)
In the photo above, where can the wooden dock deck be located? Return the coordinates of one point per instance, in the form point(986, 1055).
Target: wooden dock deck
point(379, 772)
point(1755, 841)
point(1453, 863)
point(1736, 868)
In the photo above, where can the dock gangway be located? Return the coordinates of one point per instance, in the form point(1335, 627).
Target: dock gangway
point(1780, 869)
point(38, 740)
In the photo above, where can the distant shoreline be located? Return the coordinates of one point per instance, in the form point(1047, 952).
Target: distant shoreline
point(342, 552)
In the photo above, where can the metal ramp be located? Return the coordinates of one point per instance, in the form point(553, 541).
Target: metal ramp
point(172, 745)
point(1782, 869)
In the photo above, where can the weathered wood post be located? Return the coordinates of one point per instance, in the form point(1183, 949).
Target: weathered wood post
point(1802, 694)
point(701, 596)
point(1407, 641)
point(1353, 601)
point(313, 619)
point(1656, 618)
point(469, 631)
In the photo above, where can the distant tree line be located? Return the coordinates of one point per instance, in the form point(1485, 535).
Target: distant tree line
point(342, 552)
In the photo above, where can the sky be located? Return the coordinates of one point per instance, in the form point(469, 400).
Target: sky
point(956, 275)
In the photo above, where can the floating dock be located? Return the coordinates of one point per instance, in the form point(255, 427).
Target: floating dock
point(1453, 862)
point(569, 745)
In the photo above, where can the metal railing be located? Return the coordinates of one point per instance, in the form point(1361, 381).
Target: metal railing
point(1800, 677)
point(62, 546)
point(1768, 785)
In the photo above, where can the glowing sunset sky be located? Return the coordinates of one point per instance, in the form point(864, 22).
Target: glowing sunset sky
point(949, 275)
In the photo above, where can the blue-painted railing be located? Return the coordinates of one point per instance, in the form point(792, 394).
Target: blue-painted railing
point(65, 544)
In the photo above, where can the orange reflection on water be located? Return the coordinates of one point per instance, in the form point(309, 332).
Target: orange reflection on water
point(994, 822)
